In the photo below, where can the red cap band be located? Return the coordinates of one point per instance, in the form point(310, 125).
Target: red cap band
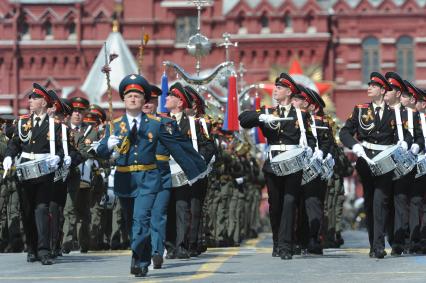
point(379, 81)
point(133, 87)
point(42, 93)
point(392, 81)
point(97, 112)
point(289, 85)
point(78, 105)
point(307, 97)
point(179, 94)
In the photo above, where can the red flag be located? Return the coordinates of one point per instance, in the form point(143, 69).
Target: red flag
point(231, 115)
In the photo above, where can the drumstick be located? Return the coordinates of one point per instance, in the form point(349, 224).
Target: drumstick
point(282, 119)
point(368, 159)
point(320, 127)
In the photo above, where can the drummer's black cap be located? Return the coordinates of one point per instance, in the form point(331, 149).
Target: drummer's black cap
point(396, 82)
point(380, 80)
point(287, 81)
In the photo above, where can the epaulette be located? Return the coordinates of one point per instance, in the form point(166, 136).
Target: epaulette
point(163, 115)
point(153, 117)
point(303, 110)
point(117, 119)
point(365, 105)
point(25, 116)
point(318, 117)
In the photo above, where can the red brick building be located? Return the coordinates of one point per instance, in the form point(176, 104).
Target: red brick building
point(55, 42)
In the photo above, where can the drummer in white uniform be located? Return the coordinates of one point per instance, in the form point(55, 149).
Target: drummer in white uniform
point(36, 140)
point(374, 126)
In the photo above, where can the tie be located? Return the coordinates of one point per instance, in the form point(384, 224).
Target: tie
point(134, 131)
point(283, 112)
point(173, 117)
point(77, 129)
point(37, 122)
point(377, 116)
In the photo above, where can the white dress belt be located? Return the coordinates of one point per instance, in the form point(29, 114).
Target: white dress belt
point(283, 147)
point(372, 146)
point(34, 156)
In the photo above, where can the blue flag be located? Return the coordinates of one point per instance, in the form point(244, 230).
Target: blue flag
point(164, 87)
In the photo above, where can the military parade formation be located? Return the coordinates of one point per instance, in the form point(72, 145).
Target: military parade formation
point(170, 185)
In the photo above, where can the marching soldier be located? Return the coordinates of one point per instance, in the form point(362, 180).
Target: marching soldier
point(282, 136)
point(177, 102)
point(373, 124)
point(314, 191)
point(137, 180)
point(61, 110)
point(77, 210)
point(34, 140)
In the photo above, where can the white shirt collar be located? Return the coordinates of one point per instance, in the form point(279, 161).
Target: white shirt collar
point(130, 120)
point(74, 126)
point(42, 116)
point(177, 115)
point(382, 106)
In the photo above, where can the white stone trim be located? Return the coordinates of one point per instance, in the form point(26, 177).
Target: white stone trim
point(180, 4)
point(420, 82)
point(421, 64)
point(420, 39)
point(340, 60)
point(280, 35)
point(115, 105)
point(388, 65)
point(388, 40)
point(353, 66)
point(353, 83)
point(350, 40)
point(5, 109)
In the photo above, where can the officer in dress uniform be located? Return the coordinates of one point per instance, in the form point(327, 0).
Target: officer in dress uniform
point(373, 124)
point(313, 191)
point(159, 209)
point(283, 191)
point(137, 179)
point(32, 141)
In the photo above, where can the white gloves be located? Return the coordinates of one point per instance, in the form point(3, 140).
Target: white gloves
point(415, 148)
point(330, 157)
point(67, 161)
point(318, 154)
point(94, 146)
point(7, 163)
point(239, 180)
point(266, 118)
point(112, 141)
point(358, 150)
point(403, 145)
point(53, 161)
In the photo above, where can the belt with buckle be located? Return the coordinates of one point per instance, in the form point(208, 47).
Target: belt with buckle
point(136, 168)
point(34, 156)
point(160, 157)
point(372, 146)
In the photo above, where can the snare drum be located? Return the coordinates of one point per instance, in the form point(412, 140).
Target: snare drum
point(327, 168)
point(311, 171)
point(421, 166)
point(386, 161)
point(289, 162)
point(33, 169)
point(178, 176)
point(61, 173)
point(404, 165)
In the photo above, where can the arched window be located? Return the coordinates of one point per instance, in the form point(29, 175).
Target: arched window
point(47, 28)
point(264, 23)
point(405, 57)
point(288, 23)
point(24, 28)
point(71, 30)
point(241, 22)
point(370, 57)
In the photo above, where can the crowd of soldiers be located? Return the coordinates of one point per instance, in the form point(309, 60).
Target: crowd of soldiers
point(83, 209)
point(168, 184)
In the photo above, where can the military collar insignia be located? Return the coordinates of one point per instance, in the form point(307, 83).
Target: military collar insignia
point(123, 128)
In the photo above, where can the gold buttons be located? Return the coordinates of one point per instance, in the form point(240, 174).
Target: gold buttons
point(136, 153)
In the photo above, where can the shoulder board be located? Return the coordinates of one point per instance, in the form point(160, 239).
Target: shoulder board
point(303, 110)
point(117, 119)
point(25, 116)
point(414, 110)
point(318, 118)
point(163, 115)
point(365, 105)
point(152, 117)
